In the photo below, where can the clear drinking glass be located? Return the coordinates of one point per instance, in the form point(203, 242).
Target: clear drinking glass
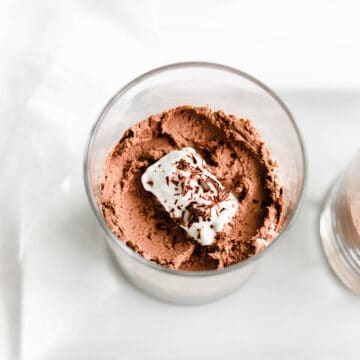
point(340, 226)
point(197, 84)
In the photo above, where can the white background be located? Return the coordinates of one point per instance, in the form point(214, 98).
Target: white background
point(60, 296)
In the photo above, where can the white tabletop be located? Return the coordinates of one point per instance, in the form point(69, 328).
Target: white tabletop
point(60, 295)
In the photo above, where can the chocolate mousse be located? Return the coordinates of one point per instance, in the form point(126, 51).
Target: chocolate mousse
point(236, 161)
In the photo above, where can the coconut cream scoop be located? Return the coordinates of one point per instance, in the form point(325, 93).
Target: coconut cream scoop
point(192, 196)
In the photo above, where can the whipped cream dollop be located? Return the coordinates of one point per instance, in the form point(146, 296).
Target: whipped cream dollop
point(192, 196)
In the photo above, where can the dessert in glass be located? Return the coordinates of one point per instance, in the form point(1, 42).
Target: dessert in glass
point(194, 171)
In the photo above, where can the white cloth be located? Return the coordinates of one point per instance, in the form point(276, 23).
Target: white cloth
point(60, 295)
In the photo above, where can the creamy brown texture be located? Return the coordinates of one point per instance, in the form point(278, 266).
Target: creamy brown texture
point(235, 154)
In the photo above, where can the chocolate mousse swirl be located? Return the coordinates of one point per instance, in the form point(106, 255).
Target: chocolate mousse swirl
point(235, 154)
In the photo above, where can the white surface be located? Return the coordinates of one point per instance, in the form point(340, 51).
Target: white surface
point(175, 203)
point(60, 296)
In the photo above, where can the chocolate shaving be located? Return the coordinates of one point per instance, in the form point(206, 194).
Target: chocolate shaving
point(167, 180)
point(194, 159)
point(185, 189)
point(194, 214)
point(182, 218)
point(222, 195)
point(205, 185)
point(182, 165)
point(214, 183)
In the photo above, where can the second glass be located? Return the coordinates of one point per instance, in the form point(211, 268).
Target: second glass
point(340, 226)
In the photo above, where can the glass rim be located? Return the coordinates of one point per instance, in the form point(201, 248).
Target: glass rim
point(121, 243)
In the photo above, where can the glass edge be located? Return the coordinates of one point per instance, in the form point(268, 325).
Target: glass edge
point(119, 242)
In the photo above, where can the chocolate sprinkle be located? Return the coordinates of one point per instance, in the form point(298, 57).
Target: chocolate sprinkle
point(205, 185)
point(182, 165)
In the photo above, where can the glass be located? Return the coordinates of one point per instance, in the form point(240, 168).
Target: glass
point(198, 84)
point(340, 226)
